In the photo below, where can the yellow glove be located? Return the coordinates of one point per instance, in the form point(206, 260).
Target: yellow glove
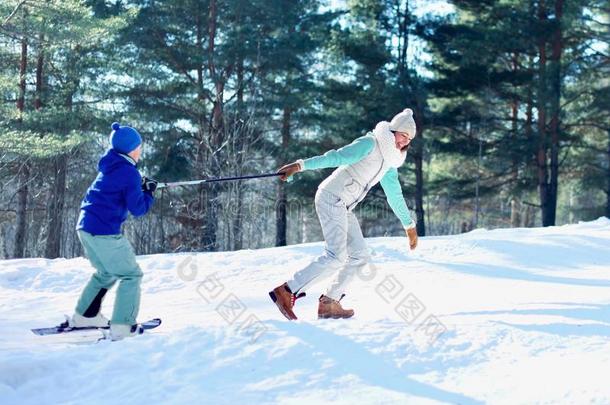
point(412, 234)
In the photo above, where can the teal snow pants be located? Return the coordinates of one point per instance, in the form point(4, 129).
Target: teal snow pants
point(114, 260)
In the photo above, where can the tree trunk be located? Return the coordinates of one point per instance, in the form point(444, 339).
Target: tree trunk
point(217, 109)
point(23, 64)
point(515, 212)
point(282, 197)
point(162, 246)
point(530, 136)
point(24, 172)
point(529, 115)
point(555, 88)
point(200, 67)
point(240, 86)
point(530, 214)
point(542, 139)
point(60, 164)
point(56, 208)
point(209, 196)
point(241, 134)
point(419, 174)
point(515, 206)
point(209, 200)
point(204, 218)
point(39, 75)
point(527, 219)
point(608, 179)
point(403, 22)
point(22, 199)
point(410, 87)
point(237, 220)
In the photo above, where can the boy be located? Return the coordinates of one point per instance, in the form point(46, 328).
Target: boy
point(117, 190)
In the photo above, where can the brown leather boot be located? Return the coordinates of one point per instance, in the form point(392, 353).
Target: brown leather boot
point(329, 308)
point(285, 299)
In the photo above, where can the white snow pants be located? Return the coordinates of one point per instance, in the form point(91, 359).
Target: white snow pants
point(345, 254)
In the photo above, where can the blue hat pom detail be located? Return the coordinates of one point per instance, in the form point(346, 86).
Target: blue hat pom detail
point(125, 140)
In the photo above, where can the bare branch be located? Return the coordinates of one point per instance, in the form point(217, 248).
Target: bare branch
point(17, 7)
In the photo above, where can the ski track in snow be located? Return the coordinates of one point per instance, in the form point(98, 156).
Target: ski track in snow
point(524, 316)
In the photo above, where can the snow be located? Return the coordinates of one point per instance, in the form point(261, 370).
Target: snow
point(512, 316)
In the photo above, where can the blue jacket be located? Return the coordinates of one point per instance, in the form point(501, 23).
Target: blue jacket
point(116, 190)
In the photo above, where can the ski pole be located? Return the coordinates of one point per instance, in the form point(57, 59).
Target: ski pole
point(215, 180)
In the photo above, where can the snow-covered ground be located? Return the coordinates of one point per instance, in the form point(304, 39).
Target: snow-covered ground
point(516, 316)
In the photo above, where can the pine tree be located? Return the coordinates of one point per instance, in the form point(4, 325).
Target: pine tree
point(58, 63)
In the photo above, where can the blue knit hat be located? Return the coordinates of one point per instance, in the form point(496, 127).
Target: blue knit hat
point(124, 139)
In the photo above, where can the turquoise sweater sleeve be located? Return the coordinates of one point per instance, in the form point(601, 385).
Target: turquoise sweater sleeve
point(352, 153)
point(393, 192)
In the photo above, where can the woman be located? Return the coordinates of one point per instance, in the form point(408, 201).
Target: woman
point(368, 160)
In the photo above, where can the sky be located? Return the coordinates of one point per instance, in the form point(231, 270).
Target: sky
point(417, 55)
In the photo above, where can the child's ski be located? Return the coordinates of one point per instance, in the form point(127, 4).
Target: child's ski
point(65, 328)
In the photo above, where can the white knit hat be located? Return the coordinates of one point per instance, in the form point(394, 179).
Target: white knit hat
point(404, 122)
